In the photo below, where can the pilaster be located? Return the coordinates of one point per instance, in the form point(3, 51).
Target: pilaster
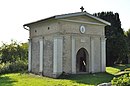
point(57, 55)
point(73, 56)
point(92, 54)
point(103, 54)
point(41, 55)
point(29, 55)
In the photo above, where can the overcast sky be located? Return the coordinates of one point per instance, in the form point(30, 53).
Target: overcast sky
point(15, 13)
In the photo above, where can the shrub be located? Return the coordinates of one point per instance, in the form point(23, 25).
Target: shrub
point(123, 80)
point(17, 66)
point(127, 69)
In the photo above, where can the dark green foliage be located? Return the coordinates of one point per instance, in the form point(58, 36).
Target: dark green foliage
point(127, 33)
point(116, 41)
point(17, 66)
point(13, 57)
point(13, 52)
point(123, 80)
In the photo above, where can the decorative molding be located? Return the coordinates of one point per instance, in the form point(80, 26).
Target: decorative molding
point(92, 54)
point(92, 23)
point(30, 55)
point(73, 56)
point(103, 54)
point(80, 14)
point(83, 40)
point(82, 29)
point(57, 55)
point(41, 54)
point(70, 34)
point(70, 15)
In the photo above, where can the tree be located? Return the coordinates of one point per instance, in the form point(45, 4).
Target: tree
point(13, 52)
point(116, 40)
point(127, 33)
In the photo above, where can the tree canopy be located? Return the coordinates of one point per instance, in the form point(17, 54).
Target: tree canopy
point(127, 33)
point(116, 41)
point(13, 52)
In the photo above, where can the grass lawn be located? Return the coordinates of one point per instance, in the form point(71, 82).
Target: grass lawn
point(18, 79)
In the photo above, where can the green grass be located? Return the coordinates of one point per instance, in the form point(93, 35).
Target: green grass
point(18, 79)
point(119, 69)
point(112, 70)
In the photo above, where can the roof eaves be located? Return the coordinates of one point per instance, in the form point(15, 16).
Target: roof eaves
point(69, 15)
point(101, 20)
point(39, 21)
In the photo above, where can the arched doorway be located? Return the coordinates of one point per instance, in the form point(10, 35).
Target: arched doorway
point(82, 60)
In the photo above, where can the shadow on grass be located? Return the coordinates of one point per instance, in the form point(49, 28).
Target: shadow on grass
point(6, 81)
point(89, 79)
point(122, 67)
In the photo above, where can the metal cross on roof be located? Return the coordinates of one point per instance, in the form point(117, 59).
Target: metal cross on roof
point(82, 9)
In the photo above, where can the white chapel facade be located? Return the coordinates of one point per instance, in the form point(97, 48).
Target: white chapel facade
point(72, 43)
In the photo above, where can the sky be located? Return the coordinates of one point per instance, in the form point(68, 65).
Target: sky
point(15, 13)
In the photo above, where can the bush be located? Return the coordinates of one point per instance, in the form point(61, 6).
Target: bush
point(123, 80)
point(17, 66)
point(127, 69)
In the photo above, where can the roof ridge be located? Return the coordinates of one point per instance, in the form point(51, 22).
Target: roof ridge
point(71, 15)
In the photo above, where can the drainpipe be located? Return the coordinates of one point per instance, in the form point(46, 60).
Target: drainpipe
point(29, 50)
point(26, 27)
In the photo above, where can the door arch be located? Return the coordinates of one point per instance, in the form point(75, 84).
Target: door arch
point(82, 60)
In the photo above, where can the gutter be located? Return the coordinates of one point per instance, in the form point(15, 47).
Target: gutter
point(26, 27)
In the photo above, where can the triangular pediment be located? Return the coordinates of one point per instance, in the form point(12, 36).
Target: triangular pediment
point(83, 18)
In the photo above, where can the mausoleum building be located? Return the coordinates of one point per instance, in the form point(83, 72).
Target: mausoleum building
point(73, 43)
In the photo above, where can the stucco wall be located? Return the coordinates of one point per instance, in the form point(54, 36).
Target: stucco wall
point(35, 55)
point(67, 54)
point(70, 27)
point(84, 42)
point(57, 28)
point(48, 56)
point(44, 28)
point(64, 27)
point(97, 56)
